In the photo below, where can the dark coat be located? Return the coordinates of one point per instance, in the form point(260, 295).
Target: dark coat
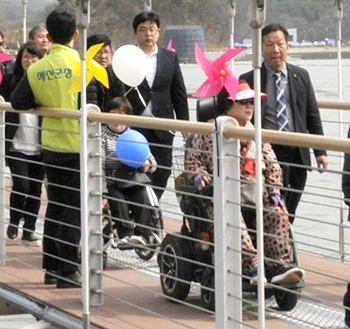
point(168, 93)
point(306, 114)
point(99, 95)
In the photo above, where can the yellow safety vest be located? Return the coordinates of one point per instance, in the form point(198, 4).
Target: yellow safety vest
point(50, 79)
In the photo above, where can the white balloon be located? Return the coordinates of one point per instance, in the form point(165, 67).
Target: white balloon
point(130, 64)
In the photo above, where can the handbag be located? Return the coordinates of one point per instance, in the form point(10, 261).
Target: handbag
point(248, 197)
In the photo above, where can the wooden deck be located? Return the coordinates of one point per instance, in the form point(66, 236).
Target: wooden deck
point(128, 306)
point(134, 300)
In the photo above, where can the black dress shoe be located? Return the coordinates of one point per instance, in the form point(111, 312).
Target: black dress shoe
point(12, 231)
point(69, 280)
point(30, 239)
point(51, 277)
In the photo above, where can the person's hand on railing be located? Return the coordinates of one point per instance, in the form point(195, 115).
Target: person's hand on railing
point(202, 180)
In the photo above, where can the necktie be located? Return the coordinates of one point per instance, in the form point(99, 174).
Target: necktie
point(282, 116)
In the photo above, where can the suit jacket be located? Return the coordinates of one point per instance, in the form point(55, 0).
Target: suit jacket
point(306, 114)
point(168, 93)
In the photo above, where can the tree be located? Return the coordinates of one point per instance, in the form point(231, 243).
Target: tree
point(313, 19)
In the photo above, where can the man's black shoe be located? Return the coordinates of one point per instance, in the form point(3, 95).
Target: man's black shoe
point(30, 239)
point(69, 280)
point(12, 231)
point(51, 277)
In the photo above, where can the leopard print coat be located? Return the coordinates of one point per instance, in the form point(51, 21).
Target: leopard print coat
point(277, 247)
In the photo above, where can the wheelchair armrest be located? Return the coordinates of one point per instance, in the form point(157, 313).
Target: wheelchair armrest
point(189, 189)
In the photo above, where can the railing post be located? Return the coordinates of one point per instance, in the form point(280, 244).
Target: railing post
point(93, 222)
point(228, 264)
point(338, 11)
point(83, 20)
point(257, 21)
point(232, 8)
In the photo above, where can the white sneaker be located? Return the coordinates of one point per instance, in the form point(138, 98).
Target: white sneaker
point(123, 241)
point(137, 239)
point(288, 274)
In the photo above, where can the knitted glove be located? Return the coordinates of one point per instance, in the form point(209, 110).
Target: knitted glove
point(198, 180)
point(277, 200)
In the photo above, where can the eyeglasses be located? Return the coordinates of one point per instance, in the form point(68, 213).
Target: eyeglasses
point(245, 101)
point(144, 30)
point(104, 52)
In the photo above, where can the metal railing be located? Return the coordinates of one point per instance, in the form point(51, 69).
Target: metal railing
point(229, 294)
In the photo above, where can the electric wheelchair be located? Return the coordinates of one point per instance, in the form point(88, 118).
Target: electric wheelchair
point(188, 256)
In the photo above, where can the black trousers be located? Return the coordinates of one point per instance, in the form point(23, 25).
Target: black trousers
point(294, 176)
point(62, 224)
point(136, 200)
point(27, 173)
point(163, 153)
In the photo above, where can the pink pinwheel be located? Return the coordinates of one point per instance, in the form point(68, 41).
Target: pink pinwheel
point(170, 46)
point(5, 57)
point(219, 74)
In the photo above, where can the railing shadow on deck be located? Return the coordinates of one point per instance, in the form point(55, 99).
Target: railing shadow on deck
point(324, 255)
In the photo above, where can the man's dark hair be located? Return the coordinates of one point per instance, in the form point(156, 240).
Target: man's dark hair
point(61, 26)
point(34, 29)
point(144, 17)
point(95, 39)
point(274, 28)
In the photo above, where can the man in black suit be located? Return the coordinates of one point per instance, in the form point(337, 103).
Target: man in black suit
point(302, 111)
point(163, 94)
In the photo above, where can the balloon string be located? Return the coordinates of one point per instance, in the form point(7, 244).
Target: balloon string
point(138, 92)
point(144, 104)
point(141, 98)
point(129, 91)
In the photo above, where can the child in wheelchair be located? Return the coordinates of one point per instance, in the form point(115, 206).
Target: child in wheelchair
point(126, 194)
point(280, 268)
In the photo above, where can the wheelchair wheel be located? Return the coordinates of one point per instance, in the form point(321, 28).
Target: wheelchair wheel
point(147, 252)
point(208, 295)
point(175, 271)
point(287, 300)
point(155, 239)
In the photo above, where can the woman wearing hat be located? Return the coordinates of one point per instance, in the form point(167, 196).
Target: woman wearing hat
point(280, 270)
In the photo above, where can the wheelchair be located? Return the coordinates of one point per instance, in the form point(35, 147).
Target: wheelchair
point(145, 252)
point(188, 256)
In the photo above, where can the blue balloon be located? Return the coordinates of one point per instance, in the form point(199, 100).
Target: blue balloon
point(132, 148)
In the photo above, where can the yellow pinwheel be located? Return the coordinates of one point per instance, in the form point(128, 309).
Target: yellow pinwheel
point(93, 70)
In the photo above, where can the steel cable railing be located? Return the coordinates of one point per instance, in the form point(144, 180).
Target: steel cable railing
point(315, 195)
